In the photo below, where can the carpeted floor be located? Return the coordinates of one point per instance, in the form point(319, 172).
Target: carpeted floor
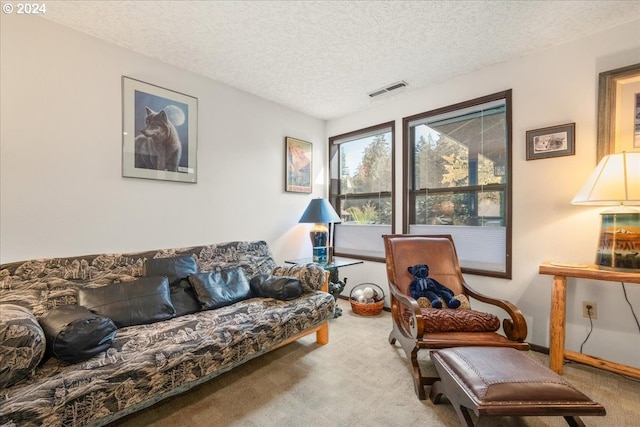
point(358, 379)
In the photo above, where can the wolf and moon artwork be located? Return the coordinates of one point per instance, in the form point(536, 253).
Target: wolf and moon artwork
point(160, 133)
point(159, 128)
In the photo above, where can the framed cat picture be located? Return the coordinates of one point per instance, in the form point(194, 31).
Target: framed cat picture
point(159, 132)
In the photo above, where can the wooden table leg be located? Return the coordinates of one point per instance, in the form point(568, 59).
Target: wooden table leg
point(557, 323)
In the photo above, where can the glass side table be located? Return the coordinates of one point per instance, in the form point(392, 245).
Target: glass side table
point(335, 285)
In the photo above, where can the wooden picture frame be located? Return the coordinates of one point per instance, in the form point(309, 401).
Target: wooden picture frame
point(552, 141)
point(159, 133)
point(299, 165)
point(618, 111)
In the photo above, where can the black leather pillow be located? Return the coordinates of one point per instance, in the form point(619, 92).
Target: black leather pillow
point(177, 269)
point(184, 298)
point(74, 333)
point(138, 302)
point(220, 288)
point(280, 287)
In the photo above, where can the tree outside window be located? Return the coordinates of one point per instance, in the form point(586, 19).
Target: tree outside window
point(362, 188)
point(458, 180)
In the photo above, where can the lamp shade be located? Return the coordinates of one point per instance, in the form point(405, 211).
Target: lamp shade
point(615, 181)
point(319, 210)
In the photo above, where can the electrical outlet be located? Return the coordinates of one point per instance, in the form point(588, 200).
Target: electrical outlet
point(586, 305)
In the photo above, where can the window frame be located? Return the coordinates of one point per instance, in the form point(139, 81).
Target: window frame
point(409, 195)
point(334, 183)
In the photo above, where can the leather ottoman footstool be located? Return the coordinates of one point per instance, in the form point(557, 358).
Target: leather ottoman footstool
point(496, 381)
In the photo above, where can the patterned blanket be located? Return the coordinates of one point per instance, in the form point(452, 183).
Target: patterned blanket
point(147, 363)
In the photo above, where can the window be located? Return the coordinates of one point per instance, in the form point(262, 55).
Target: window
point(361, 190)
point(459, 180)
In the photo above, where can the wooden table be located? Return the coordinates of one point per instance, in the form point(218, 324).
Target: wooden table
point(557, 353)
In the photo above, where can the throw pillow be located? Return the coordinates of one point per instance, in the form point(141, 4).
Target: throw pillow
point(22, 344)
point(183, 298)
point(177, 269)
point(280, 287)
point(75, 334)
point(141, 301)
point(174, 268)
point(220, 288)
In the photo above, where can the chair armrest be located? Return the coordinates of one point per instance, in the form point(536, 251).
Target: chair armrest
point(311, 276)
point(406, 313)
point(515, 327)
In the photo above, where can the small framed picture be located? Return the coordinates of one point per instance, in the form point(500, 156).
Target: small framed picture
point(299, 160)
point(553, 141)
point(159, 132)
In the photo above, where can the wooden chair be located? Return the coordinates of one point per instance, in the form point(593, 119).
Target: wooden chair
point(417, 328)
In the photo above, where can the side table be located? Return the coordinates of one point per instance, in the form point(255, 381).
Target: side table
point(557, 353)
point(335, 285)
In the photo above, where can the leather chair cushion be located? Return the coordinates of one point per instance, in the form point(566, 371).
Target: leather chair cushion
point(177, 270)
point(279, 287)
point(138, 302)
point(220, 288)
point(494, 375)
point(75, 334)
point(22, 344)
point(452, 320)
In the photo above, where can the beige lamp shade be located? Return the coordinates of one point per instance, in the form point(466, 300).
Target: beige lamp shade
point(615, 181)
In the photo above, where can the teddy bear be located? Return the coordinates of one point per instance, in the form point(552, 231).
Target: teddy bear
point(422, 286)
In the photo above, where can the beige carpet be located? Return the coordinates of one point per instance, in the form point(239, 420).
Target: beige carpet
point(358, 379)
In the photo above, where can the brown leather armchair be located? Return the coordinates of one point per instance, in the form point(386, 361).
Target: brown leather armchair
point(417, 328)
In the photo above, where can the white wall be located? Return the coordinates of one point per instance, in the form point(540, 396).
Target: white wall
point(552, 87)
point(61, 190)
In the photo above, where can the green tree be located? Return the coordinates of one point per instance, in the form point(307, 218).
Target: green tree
point(372, 176)
point(345, 175)
point(374, 171)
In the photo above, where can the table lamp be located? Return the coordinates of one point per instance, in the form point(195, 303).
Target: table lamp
point(322, 215)
point(616, 181)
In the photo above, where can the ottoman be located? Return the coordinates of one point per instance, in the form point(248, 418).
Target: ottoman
point(496, 381)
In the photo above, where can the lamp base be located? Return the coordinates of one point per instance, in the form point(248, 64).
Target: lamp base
point(319, 237)
point(619, 246)
point(320, 254)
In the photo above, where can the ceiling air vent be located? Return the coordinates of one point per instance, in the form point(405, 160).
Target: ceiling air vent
point(394, 87)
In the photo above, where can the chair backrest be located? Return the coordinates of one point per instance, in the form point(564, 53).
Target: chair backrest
point(437, 251)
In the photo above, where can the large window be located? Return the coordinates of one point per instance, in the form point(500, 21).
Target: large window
point(361, 190)
point(458, 180)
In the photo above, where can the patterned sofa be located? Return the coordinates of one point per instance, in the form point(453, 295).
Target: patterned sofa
point(148, 362)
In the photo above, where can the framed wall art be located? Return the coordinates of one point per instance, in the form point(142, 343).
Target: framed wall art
point(619, 111)
point(299, 161)
point(159, 132)
point(553, 141)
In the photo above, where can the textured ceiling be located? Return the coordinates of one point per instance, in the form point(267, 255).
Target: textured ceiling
point(324, 57)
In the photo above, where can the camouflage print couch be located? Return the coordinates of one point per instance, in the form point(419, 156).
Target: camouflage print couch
point(148, 362)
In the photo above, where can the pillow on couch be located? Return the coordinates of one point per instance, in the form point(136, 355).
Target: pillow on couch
point(141, 301)
point(22, 344)
point(280, 287)
point(220, 288)
point(75, 334)
point(177, 269)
